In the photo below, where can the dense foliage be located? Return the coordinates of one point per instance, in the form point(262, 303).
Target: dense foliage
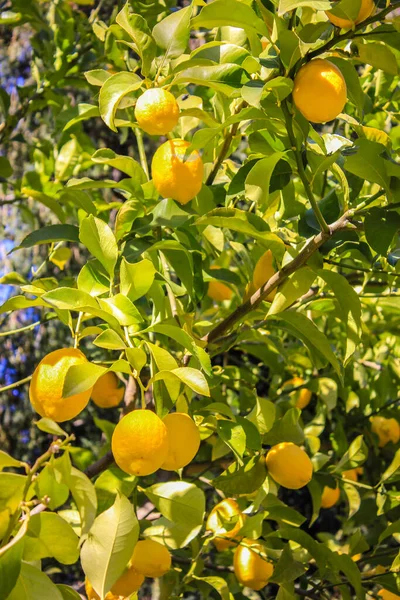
point(266, 307)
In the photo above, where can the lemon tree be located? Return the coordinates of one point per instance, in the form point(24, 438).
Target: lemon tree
point(200, 216)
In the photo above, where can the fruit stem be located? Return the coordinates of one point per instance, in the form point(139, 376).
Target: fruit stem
point(77, 328)
point(300, 168)
point(142, 153)
point(11, 386)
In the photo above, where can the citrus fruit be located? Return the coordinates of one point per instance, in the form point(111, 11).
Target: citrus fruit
point(251, 568)
point(46, 388)
point(129, 582)
point(225, 520)
point(173, 176)
point(157, 111)
point(107, 392)
point(140, 442)
point(387, 430)
point(329, 496)
point(151, 558)
point(386, 595)
point(302, 396)
point(289, 465)
point(352, 474)
point(263, 271)
point(183, 440)
point(320, 91)
point(366, 10)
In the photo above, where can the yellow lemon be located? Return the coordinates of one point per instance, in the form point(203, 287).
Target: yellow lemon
point(366, 10)
point(386, 595)
point(183, 440)
point(289, 465)
point(387, 430)
point(46, 388)
point(225, 520)
point(320, 91)
point(263, 271)
point(329, 496)
point(107, 391)
point(151, 558)
point(129, 582)
point(218, 291)
point(251, 568)
point(174, 177)
point(303, 396)
point(351, 474)
point(140, 442)
point(157, 111)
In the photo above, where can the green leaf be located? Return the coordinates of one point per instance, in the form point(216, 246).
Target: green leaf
point(380, 229)
point(218, 584)
point(287, 569)
point(193, 378)
point(172, 33)
point(93, 279)
point(100, 241)
point(288, 5)
point(286, 429)
point(178, 501)
point(292, 289)
point(137, 278)
point(80, 378)
point(311, 336)
point(367, 163)
point(245, 480)
point(315, 493)
point(109, 339)
point(138, 30)
point(126, 164)
point(174, 535)
point(243, 222)
point(137, 358)
point(49, 484)
point(70, 299)
point(49, 234)
point(68, 593)
point(355, 456)
point(262, 415)
point(46, 200)
point(258, 180)
point(11, 561)
point(85, 111)
point(225, 78)
point(32, 584)
point(230, 13)
point(113, 482)
point(234, 436)
point(378, 55)
point(110, 544)
point(353, 498)
point(50, 536)
point(6, 169)
point(392, 470)
point(113, 90)
point(84, 495)
point(49, 426)
point(8, 461)
point(122, 309)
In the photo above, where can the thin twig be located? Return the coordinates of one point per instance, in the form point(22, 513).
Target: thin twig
point(16, 384)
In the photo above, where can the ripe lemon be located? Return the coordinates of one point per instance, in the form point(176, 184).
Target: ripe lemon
point(174, 177)
point(366, 10)
point(263, 271)
point(183, 440)
point(320, 91)
point(386, 595)
point(107, 392)
point(251, 569)
point(352, 474)
point(387, 430)
point(129, 582)
point(46, 388)
point(140, 442)
point(225, 520)
point(157, 111)
point(289, 465)
point(302, 396)
point(151, 558)
point(329, 496)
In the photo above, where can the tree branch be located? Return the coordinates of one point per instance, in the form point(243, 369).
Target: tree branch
point(100, 465)
point(309, 249)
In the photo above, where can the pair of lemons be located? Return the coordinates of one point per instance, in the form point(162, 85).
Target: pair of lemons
point(149, 559)
point(141, 443)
